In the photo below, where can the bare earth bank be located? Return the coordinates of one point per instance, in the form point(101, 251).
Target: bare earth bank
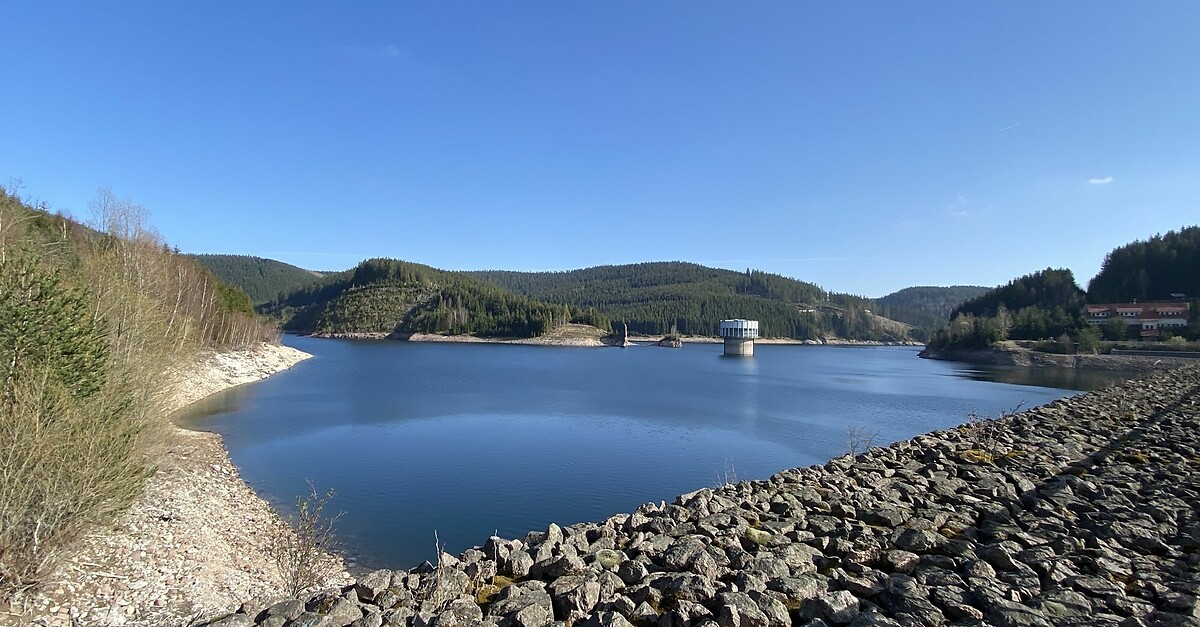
point(194, 543)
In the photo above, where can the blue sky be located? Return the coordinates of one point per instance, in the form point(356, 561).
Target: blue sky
point(864, 146)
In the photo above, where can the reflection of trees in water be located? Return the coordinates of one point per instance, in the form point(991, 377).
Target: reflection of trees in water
point(1063, 378)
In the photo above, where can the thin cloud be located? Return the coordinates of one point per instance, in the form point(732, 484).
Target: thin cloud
point(960, 207)
point(389, 52)
point(1105, 180)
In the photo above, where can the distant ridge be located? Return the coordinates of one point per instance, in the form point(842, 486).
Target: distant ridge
point(262, 279)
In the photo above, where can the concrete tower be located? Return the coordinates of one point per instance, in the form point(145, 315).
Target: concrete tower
point(739, 336)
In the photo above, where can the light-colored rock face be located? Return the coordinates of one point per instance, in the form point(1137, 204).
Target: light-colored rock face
point(194, 543)
point(1081, 512)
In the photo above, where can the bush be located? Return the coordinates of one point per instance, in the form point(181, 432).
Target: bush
point(68, 432)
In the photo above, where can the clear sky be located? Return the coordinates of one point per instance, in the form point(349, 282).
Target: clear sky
point(864, 146)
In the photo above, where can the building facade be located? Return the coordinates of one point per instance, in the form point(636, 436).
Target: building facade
point(1149, 318)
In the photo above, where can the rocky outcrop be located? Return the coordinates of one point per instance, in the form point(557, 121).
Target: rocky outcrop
point(1080, 512)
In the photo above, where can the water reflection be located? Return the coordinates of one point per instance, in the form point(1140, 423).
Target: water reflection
point(468, 439)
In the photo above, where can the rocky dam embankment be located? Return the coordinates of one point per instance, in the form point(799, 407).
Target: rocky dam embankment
point(1080, 512)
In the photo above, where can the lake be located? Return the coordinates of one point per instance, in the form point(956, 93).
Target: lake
point(473, 439)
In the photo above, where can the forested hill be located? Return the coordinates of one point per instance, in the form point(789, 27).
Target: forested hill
point(262, 279)
point(1150, 270)
point(397, 297)
point(926, 308)
point(661, 297)
point(1045, 304)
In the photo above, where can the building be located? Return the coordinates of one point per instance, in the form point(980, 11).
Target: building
point(739, 336)
point(1150, 318)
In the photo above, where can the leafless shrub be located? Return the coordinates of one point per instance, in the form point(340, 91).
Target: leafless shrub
point(859, 439)
point(302, 555)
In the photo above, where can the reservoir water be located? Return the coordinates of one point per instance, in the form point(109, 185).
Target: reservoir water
point(469, 439)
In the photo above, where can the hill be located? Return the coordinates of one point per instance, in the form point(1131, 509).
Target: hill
point(1150, 270)
point(1044, 304)
point(661, 297)
point(262, 279)
point(926, 308)
point(91, 319)
point(391, 297)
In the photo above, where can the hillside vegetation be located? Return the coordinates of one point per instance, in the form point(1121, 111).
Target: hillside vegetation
point(262, 279)
point(926, 308)
point(663, 297)
point(1045, 304)
point(1150, 270)
point(90, 320)
point(396, 297)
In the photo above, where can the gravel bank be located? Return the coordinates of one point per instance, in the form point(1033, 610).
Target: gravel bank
point(193, 544)
point(1080, 512)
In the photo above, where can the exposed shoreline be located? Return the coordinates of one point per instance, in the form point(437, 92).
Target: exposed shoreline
point(592, 342)
point(1008, 355)
point(194, 543)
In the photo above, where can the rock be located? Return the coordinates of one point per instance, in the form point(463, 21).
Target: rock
point(574, 597)
point(918, 540)
point(683, 553)
point(739, 610)
point(604, 619)
point(632, 572)
point(234, 620)
point(758, 536)
point(609, 559)
point(838, 608)
point(372, 585)
point(1009, 614)
point(459, 613)
point(289, 609)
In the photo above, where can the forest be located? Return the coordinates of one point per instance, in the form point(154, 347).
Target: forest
point(926, 308)
point(397, 297)
point(261, 279)
point(657, 298)
point(1150, 270)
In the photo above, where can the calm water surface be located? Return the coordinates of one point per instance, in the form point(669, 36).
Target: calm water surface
point(469, 440)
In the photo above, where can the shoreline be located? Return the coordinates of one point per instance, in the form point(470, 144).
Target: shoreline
point(1054, 515)
point(591, 342)
point(1014, 356)
point(194, 543)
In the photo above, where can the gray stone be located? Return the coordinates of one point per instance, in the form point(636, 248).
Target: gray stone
point(519, 564)
point(1010, 614)
point(289, 609)
point(838, 607)
point(371, 619)
point(919, 540)
point(372, 585)
point(739, 610)
point(459, 613)
point(631, 572)
point(604, 619)
point(234, 620)
point(344, 612)
point(574, 597)
point(310, 619)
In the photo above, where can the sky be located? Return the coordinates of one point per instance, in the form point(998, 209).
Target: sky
point(862, 146)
